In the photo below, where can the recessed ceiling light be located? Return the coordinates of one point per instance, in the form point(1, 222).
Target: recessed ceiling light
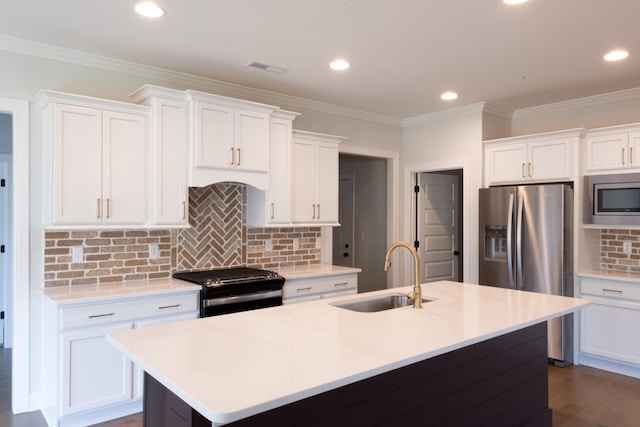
point(149, 10)
point(339, 65)
point(514, 1)
point(616, 55)
point(449, 96)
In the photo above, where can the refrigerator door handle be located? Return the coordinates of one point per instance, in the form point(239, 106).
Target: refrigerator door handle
point(519, 220)
point(510, 242)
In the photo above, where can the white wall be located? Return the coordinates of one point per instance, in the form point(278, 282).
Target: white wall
point(453, 142)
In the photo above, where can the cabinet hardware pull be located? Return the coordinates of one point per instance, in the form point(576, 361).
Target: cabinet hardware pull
point(529, 169)
point(169, 306)
point(623, 156)
point(94, 316)
point(238, 157)
point(630, 155)
point(318, 211)
point(314, 211)
point(99, 209)
point(523, 175)
point(617, 291)
point(304, 289)
point(341, 284)
point(108, 208)
point(184, 209)
point(273, 210)
point(233, 156)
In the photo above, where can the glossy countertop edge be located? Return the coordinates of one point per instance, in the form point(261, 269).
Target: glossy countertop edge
point(106, 292)
point(315, 270)
point(611, 275)
point(294, 341)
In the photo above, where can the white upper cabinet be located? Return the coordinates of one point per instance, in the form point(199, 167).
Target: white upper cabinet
point(229, 140)
point(273, 206)
point(94, 161)
point(613, 149)
point(533, 158)
point(315, 178)
point(168, 191)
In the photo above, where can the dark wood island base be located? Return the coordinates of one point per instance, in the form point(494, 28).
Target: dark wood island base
point(499, 382)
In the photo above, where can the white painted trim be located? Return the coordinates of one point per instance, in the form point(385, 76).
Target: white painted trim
point(19, 110)
point(7, 259)
point(393, 196)
point(409, 172)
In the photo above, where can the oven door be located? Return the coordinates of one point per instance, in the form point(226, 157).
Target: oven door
point(234, 303)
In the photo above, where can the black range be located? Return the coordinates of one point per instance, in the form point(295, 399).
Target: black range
point(229, 290)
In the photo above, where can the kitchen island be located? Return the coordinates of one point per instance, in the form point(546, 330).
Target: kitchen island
point(471, 347)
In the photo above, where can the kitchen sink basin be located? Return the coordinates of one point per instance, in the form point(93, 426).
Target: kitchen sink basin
point(374, 304)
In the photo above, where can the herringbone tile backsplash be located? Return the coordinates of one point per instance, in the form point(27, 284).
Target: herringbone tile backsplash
point(218, 237)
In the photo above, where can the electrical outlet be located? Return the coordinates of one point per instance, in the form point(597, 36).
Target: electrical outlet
point(626, 247)
point(154, 251)
point(77, 254)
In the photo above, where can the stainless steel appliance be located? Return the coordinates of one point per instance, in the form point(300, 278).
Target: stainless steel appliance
point(229, 290)
point(526, 236)
point(612, 199)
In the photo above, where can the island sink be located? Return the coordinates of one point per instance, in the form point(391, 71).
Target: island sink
point(381, 303)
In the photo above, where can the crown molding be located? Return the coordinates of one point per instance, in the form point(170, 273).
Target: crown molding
point(188, 80)
point(572, 104)
point(445, 114)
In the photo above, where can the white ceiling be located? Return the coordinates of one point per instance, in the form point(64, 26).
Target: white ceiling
point(404, 53)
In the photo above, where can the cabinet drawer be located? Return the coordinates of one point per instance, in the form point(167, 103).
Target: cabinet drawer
point(299, 287)
point(103, 313)
point(610, 289)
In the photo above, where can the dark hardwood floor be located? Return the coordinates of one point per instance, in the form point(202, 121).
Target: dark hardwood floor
point(579, 396)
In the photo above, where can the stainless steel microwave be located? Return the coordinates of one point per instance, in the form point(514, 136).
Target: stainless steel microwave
point(613, 199)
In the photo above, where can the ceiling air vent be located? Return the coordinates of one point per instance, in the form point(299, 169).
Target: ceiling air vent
point(266, 67)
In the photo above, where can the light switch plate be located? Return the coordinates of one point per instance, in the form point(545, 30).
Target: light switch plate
point(154, 251)
point(626, 247)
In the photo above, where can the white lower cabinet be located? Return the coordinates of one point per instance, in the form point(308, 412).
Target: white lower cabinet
point(86, 380)
point(609, 334)
point(315, 288)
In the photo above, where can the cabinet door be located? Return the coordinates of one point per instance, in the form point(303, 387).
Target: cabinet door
point(610, 330)
point(214, 147)
point(94, 373)
point(77, 160)
point(279, 200)
point(169, 162)
point(326, 184)
point(549, 160)
point(506, 163)
point(125, 168)
point(303, 181)
point(607, 151)
point(251, 141)
point(634, 150)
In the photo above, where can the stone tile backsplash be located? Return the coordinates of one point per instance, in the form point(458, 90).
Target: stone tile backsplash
point(612, 255)
point(217, 237)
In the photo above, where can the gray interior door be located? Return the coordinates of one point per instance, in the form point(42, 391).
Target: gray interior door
point(438, 210)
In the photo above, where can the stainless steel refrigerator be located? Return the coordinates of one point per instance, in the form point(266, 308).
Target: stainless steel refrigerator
point(526, 239)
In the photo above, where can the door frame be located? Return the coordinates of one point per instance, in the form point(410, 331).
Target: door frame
point(20, 302)
point(352, 178)
point(409, 206)
point(6, 338)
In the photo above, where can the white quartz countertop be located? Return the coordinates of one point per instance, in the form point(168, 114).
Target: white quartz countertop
point(110, 291)
point(233, 366)
point(611, 275)
point(316, 270)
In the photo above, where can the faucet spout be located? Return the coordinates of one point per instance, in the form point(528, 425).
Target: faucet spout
point(416, 295)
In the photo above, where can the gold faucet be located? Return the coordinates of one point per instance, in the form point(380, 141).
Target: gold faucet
point(416, 295)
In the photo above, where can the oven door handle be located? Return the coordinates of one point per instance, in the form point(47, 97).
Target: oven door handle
point(212, 302)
